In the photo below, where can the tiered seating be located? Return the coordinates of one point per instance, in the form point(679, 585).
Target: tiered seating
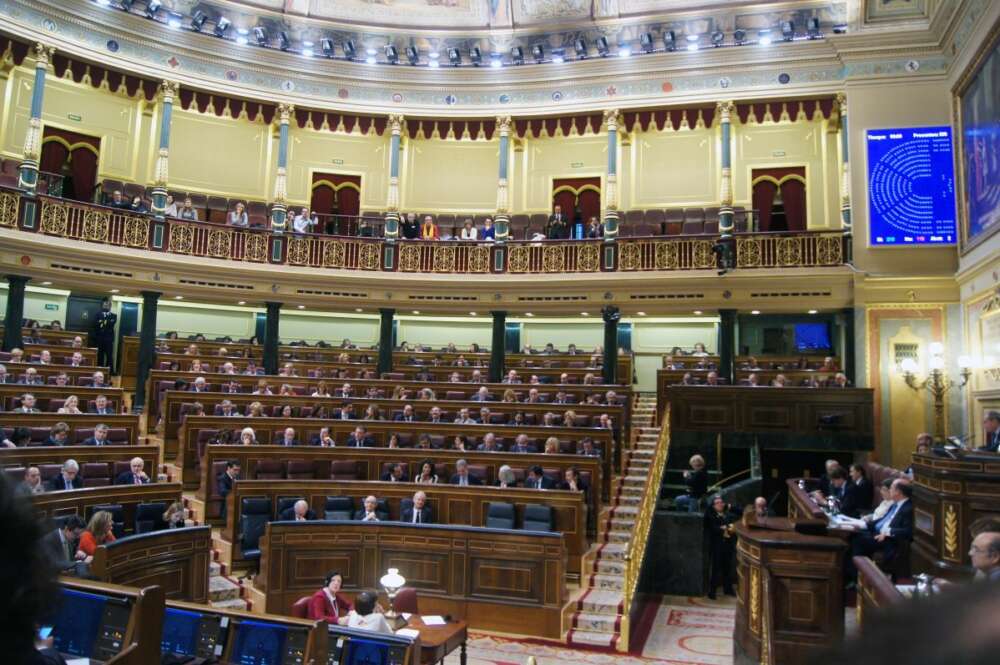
point(99, 466)
point(49, 398)
point(122, 429)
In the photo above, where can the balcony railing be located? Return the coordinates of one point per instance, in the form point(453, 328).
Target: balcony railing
point(120, 228)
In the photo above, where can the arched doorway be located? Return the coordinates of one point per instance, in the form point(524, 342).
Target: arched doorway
point(779, 197)
point(579, 198)
point(336, 199)
point(68, 163)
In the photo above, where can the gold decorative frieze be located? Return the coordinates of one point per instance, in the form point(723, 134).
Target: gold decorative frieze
point(333, 254)
point(554, 258)
point(829, 250)
point(702, 255)
point(444, 259)
point(951, 527)
point(629, 256)
point(220, 243)
point(479, 259)
point(518, 259)
point(255, 247)
point(55, 218)
point(666, 256)
point(96, 224)
point(789, 251)
point(409, 257)
point(136, 231)
point(181, 239)
point(368, 256)
point(754, 593)
point(8, 209)
point(588, 258)
point(298, 251)
point(748, 253)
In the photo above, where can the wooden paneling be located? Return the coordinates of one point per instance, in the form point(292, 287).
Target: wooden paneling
point(24, 457)
point(876, 592)
point(45, 371)
point(496, 580)
point(130, 423)
point(453, 505)
point(79, 502)
point(45, 393)
point(175, 559)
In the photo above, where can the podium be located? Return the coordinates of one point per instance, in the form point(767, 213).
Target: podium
point(949, 495)
point(791, 593)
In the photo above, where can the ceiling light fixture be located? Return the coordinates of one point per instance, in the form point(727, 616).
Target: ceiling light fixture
point(558, 57)
point(178, 297)
point(222, 26)
point(46, 283)
point(538, 51)
point(391, 54)
point(152, 7)
point(284, 43)
point(646, 42)
point(739, 36)
point(476, 56)
point(496, 61)
point(517, 55)
point(327, 46)
point(301, 306)
point(260, 36)
point(813, 311)
point(114, 290)
point(412, 55)
point(624, 50)
point(697, 312)
point(812, 27)
point(764, 37)
point(580, 46)
point(602, 46)
point(242, 302)
point(349, 49)
point(528, 314)
point(358, 310)
point(717, 38)
point(755, 312)
point(670, 41)
point(788, 30)
point(454, 56)
point(641, 313)
point(198, 20)
point(416, 311)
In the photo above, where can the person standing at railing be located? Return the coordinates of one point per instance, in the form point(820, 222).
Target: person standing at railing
point(104, 335)
point(488, 232)
point(409, 227)
point(238, 217)
point(187, 211)
point(719, 519)
point(557, 227)
point(429, 230)
point(595, 229)
point(304, 223)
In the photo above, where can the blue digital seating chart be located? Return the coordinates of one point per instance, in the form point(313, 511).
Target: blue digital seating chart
point(911, 186)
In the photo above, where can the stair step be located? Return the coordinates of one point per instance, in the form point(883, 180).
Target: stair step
point(613, 551)
point(221, 589)
point(607, 582)
point(598, 601)
point(214, 569)
point(233, 604)
point(618, 537)
point(596, 623)
point(609, 567)
point(589, 638)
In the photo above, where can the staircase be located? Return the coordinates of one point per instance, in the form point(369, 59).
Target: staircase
point(598, 617)
point(222, 591)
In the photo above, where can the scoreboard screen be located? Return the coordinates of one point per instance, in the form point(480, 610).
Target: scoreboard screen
point(911, 186)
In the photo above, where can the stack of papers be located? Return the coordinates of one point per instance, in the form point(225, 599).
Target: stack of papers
point(434, 620)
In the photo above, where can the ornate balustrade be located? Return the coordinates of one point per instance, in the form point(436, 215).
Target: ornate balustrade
point(99, 224)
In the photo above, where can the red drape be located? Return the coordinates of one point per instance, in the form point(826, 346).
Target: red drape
point(763, 199)
point(565, 200)
point(793, 192)
point(585, 201)
point(590, 204)
point(323, 200)
point(349, 201)
point(793, 196)
point(83, 165)
point(54, 155)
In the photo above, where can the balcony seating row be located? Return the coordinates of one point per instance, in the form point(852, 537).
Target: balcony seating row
point(117, 436)
point(93, 474)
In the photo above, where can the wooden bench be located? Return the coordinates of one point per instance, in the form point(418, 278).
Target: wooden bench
point(49, 397)
point(175, 559)
point(61, 353)
point(84, 502)
point(124, 429)
point(49, 460)
point(78, 376)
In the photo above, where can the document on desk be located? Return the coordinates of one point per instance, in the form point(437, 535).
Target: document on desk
point(844, 522)
point(78, 661)
point(434, 620)
point(408, 632)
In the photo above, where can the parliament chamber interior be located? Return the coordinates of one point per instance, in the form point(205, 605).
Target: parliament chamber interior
point(495, 333)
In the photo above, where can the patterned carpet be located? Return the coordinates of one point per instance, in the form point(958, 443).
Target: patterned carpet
point(685, 631)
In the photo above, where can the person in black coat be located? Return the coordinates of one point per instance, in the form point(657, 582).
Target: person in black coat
point(419, 512)
point(409, 228)
point(104, 335)
point(719, 518)
point(68, 479)
point(360, 439)
point(299, 512)
point(888, 533)
point(538, 480)
point(863, 486)
point(696, 482)
point(396, 474)
point(225, 482)
point(135, 476)
point(462, 475)
point(557, 226)
point(845, 492)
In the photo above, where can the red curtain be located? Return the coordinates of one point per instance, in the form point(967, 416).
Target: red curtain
point(83, 166)
point(324, 200)
point(54, 155)
point(349, 201)
point(763, 199)
point(793, 192)
point(565, 200)
point(581, 200)
point(590, 205)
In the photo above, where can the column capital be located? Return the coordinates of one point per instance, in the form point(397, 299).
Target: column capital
point(842, 103)
point(386, 311)
point(151, 295)
point(725, 110)
point(169, 90)
point(270, 304)
point(504, 124)
point(611, 119)
point(43, 54)
point(285, 113)
point(396, 123)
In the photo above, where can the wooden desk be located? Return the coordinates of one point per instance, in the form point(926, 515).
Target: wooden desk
point(436, 642)
point(43, 395)
point(876, 592)
point(45, 371)
point(51, 336)
point(82, 502)
point(175, 559)
point(495, 579)
point(948, 496)
point(791, 594)
point(61, 351)
point(85, 421)
point(49, 459)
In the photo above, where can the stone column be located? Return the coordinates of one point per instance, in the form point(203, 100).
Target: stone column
point(611, 185)
point(14, 318)
point(27, 178)
point(392, 200)
point(849, 353)
point(724, 111)
point(279, 209)
point(385, 341)
point(845, 176)
point(502, 219)
point(727, 344)
point(168, 90)
point(609, 368)
point(499, 349)
point(271, 338)
point(147, 348)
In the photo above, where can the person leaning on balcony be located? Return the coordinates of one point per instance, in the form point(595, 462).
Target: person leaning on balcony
point(594, 228)
point(171, 209)
point(187, 211)
point(409, 227)
point(469, 232)
point(238, 217)
point(119, 201)
point(429, 230)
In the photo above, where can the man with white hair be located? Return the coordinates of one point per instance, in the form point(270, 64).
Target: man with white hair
point(228, 368)
point(299, 512)
point(199, 385)
point(68, 479)
point(97, 380)
point(368, 514)
point(4, 376)
point(136, 476)
point(419, 512)
point(45, 357)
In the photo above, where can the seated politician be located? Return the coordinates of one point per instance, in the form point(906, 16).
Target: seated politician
point(419, 512)
point(360, 438)
point(537, 479)
point(328, 604)
point(887, 534)
point(135, 475)
point(396, 474)
point(299, 512)
point(366, 615)
point(368, 512)
point(68, 478)
point(462, 477)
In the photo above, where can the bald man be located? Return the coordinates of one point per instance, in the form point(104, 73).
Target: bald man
point(299, 512)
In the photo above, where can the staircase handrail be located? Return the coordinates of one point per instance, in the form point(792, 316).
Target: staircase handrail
point(644, 520)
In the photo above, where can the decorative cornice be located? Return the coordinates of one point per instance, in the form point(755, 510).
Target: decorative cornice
point(285, 113)
point(43, 55)
point(725, 110)
point(168, 91)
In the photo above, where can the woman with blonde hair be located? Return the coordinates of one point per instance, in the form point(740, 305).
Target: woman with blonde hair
point(372, 412)
point(569, 419)
point(551, 446)
point(262, 388)
point(100, 530)
point(321, 390)
point(509, 396)
point(255, 410)
point(175, 515)
point(399, 392)
point(71, 405)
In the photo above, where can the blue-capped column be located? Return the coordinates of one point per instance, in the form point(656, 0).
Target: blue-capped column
point(724, 111)
point(845, 175)
point(279, 209)
point(502, 218)
point(168, 90)
point(27, 178)
point(611, 182)
point(392, 199)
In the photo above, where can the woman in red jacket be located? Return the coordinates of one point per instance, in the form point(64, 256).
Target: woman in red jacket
point(99, 531)
point(328, 603)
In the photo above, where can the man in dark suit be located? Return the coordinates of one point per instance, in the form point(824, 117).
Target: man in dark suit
point(396, 474)
point(27, 404)
point(100, 437)
point(101, 407)
point(824, 480)
point(845, 492)
point(59, 545)
point(558, 225)
point(991, 430)
point(572, 481)
point(288, 438)
point(299, 512)
point(419, 512)
point(324, 439)
point(409, 228)
point(136, 476)
point(885, 534)
point(68, 478)
point(58, 435)
point(360, 438)
point(863, 487)
point(521, 445)
point(369, 512)
point(225, 482)
point(537, 480)
point(406, 416)
point(462, 476)
point(482, 395)
point(104, 335)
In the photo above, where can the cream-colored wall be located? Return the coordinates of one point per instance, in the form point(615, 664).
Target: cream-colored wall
point(361, 330)
point(450, 176)
point(35, 300)
point(117, 120)
point(812, 144)
point(545, 159)
point(209, 320)
point(671, 169)
point(219, 155)
point(312, 151)
point(438, 333)
point(886, 104)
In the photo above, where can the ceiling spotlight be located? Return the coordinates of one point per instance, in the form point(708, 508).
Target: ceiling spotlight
point(307, 52)
point(370, 56)
point(528, 314)
point(412, 55)
point(433, 64)
point(284, 43)
point(416, 311)
point(692, 43)
point(46, 283)
point(624, 50)
point(538, 51)
point(349, 49)
point(472, 313)
point(104, 3)
point(641, 313)
point(840, 29)
point(646, 42)
point(581, 48)
point(740, 36)
point(787, 30)
point(764, 37)
point(260, 36)
point(152, 7)
point(327, 46)
point(717, 38)
point(198, 20)
point(174, 20)
point(558, 57)
point(813, 311)
point(178, 297)
point(602, 46)
point(222, 26)
point(812, 27)
point(584, 313)
point(755, 312)
point(697, 312)
point(517, 55)
point(358, 310)
point(496, 61)
point(670, 40)
point(476, 56)
point(242, 302)
point(112, 290)
point(391, 54)
point(454, 56)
